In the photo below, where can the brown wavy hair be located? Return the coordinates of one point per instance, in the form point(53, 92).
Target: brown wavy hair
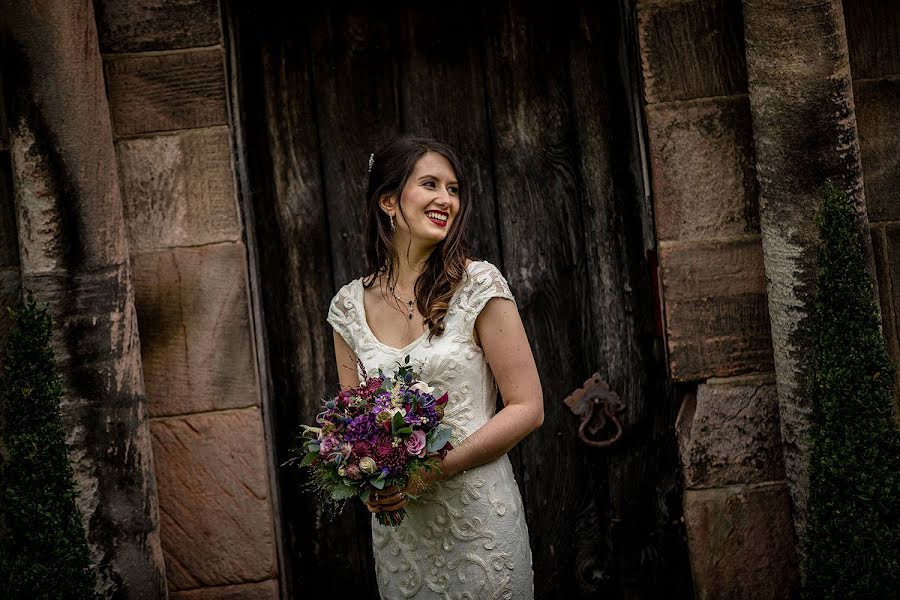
point(393, 163)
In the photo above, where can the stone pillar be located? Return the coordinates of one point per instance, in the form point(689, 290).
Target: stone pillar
point(804, 129)
point(700, 145)
point(74, 256)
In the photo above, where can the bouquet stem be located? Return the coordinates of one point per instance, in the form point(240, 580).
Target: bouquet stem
point(391, 518)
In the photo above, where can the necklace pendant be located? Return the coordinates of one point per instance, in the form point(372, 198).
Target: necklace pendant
point(410, 317)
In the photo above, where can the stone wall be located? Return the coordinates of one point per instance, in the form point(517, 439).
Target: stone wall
point(165, 77)
point(873, 37)
point(713, 286)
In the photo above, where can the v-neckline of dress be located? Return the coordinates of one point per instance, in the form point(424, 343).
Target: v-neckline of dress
point(365, 321)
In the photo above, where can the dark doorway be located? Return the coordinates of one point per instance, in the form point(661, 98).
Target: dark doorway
point(539, 102)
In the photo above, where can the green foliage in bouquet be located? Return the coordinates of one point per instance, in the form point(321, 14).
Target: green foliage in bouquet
point(853, 529)
point(395, 420)
point(43, 553)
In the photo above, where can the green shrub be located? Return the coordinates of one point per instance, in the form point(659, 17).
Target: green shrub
point(43, 553)
point(853, 530)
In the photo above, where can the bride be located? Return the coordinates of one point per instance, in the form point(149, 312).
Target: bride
point(464, 535)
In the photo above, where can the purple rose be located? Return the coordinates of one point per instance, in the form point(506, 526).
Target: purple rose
point(415, 444)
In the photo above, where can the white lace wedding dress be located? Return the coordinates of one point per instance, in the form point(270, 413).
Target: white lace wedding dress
point(466, 538)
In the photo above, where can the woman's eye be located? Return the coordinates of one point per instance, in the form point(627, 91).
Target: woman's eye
point(429, 183)
point(454, 190)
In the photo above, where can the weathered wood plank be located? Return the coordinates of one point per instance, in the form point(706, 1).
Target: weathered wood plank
point(165, 92)
point(873, 37)
point(354, 63)
point(357, 102)
point(886, 246)
point(539, 197)
point(877, 104)
point(282, 189)
point(442, 94)
point(9, 241)
point(143, 26)
point(647, 558)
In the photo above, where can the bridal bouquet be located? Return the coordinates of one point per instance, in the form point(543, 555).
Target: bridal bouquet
point(379, 434)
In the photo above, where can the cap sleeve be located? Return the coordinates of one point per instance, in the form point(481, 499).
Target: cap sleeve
point(342, 314)
point(486, 282)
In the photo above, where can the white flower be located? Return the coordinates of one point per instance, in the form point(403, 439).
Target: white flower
point(422, 387)
point(367, 465)
point(395, 410)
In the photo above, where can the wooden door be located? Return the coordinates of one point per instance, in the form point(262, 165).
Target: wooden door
point(540, 105)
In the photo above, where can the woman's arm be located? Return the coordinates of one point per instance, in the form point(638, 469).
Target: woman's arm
point(509, 355)
point(348, 373)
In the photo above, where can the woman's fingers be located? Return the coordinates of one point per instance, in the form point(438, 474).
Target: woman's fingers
point(375, 508)
point(384, 499)
point(396, 506)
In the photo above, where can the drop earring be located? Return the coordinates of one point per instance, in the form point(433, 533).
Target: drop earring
point(392, 223)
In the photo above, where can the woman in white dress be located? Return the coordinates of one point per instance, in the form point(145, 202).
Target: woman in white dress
point(464, 535)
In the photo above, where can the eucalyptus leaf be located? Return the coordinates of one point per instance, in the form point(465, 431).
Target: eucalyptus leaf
point(364, 495)
point(309, 458)
point(438, 438)
point(341, 492)
point(379, 483)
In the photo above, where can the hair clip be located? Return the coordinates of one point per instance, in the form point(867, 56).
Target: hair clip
point(371, 161)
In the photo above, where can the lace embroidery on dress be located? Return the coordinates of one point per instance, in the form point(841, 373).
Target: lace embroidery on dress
point(467, 538)
point(486, 282)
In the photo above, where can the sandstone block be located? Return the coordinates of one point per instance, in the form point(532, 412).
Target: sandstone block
point(178, 190)
point(142, 26)
point(167, 91)
point(717, 316)
point(691, 49)
point(195, 329)
point(215, 514)
point(728, 433)
point(741, 542)
point(704, 181)
point(877, 105)
point(265, 590)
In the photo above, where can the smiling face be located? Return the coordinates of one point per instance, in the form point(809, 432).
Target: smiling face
point(430, 201)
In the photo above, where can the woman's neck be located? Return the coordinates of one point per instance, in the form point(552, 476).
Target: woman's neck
point(406, 274)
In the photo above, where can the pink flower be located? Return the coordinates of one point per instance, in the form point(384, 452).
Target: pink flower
point(328, 445)
point(415, 444)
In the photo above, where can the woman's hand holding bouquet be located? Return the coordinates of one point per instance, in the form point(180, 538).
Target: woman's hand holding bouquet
point(382, 441)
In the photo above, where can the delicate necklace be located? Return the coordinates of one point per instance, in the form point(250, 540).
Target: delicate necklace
point(408, 302)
